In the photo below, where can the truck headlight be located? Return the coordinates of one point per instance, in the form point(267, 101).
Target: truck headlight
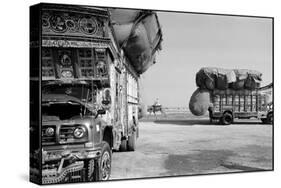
point(79, 132)
point(50, 131)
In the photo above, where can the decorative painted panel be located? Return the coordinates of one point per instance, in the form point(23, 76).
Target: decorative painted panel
point(59, 23)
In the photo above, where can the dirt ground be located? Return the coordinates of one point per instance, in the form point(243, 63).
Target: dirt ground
point(169, 147)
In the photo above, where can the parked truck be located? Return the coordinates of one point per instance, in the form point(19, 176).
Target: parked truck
point(242, 104)
point(89, 90)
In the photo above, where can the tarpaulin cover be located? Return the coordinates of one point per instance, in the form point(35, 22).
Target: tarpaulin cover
point(123, 16)
point(138, 32)
point(122, 31)
point(234, 92)
point(200, 102)
point(217, 78)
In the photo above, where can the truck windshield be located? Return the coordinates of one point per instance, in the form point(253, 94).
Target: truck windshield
point(80, 91)
point(61, 111)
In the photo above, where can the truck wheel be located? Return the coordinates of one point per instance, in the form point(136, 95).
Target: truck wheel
point(210, 117)
point(270, 118)
point(264, 120)
point(123, 145)
point(226, 119)
point(105, 162)
point(132, 142)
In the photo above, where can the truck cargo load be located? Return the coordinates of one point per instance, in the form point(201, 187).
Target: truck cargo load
point(217, 78)
point(138, 32)
point(199, 102)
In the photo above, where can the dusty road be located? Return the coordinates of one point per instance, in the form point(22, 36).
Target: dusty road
point(173, 147)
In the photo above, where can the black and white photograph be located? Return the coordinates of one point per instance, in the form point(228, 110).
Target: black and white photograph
point(120, 93)
point(138, 94)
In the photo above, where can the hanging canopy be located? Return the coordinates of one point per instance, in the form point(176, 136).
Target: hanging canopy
point(138, 32)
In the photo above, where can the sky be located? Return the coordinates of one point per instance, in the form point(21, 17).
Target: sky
point(193, 41)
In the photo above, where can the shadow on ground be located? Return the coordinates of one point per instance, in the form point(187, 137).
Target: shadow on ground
point(204, 162)
point(183, 122)
point(192, 122)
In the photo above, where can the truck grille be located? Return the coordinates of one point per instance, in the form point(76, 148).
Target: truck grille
point(66, 133)
point(46, 138)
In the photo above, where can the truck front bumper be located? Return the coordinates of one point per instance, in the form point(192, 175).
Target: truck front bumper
point(67, 166)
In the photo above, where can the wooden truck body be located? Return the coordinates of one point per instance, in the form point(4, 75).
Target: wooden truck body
point(242, 104)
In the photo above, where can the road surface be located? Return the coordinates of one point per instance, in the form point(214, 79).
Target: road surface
point(188, 147)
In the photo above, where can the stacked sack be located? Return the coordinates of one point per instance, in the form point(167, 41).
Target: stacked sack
point(211, 78)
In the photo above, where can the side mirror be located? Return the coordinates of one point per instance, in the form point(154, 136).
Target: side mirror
point(101, 112)
point(105, 102)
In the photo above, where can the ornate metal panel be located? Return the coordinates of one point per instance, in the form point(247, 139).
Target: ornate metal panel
point(68, 23)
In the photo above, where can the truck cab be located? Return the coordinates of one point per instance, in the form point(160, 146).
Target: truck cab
point(74, 137)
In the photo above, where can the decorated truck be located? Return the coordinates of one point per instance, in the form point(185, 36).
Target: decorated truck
point(243, 104)
point(231, 93)
point(89, 87)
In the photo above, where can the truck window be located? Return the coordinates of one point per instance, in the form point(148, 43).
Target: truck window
point(86, 62)
point(78, 91)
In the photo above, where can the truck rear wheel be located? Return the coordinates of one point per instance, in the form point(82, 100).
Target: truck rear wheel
point(211, 120)
point(210, 117)
point(123, 145)
point(264, 120)
point(132, 142)
point(226, 119)
point(270, 118)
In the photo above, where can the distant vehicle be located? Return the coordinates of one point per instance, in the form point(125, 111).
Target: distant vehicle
point(242, 104)
point(155, 108)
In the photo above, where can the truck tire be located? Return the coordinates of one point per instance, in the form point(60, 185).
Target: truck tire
point(226, 119)
point(210, 117)
point(104, 166)
point(270, 118)
point(132, 142)
point(264, 120)
point(123, 145)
